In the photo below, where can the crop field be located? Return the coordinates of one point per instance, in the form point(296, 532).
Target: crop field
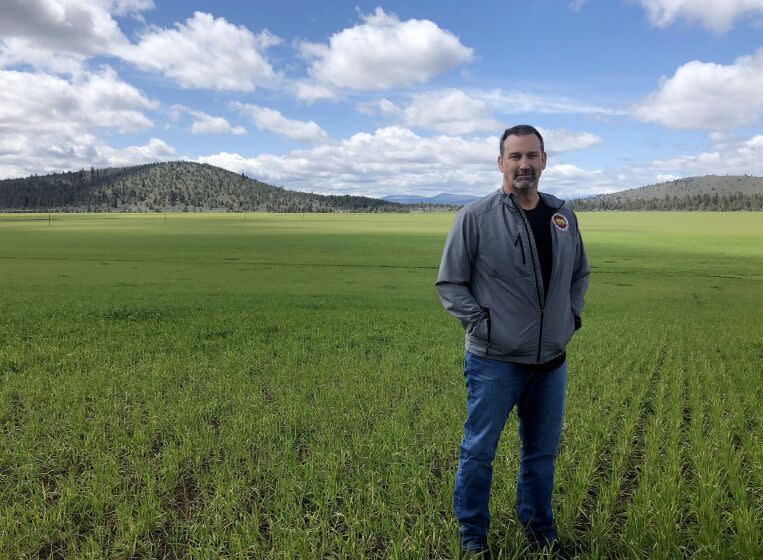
point(288, 386)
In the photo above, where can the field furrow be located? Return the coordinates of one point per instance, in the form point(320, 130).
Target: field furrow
point(290, 387)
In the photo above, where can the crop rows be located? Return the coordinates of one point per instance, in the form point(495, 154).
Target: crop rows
point(289, 387)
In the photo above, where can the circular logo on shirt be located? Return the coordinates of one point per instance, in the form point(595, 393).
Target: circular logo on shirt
point(560, 222)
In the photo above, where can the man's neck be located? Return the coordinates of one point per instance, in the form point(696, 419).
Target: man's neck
point(528, 200)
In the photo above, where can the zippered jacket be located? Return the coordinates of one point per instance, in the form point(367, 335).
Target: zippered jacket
point(490, 279)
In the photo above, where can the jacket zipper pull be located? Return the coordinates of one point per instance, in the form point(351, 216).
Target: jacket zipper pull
point(522, 247)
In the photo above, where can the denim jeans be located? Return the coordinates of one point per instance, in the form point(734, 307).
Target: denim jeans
point(493, 388)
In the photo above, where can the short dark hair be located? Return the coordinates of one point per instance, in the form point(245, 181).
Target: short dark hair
point(521, 130)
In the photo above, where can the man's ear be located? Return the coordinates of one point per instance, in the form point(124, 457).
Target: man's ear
point(544, 161)
point(500, 163)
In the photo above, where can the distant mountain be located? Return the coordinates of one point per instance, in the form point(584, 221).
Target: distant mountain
point(442, 198)
point(175, 186)
point(707, 192)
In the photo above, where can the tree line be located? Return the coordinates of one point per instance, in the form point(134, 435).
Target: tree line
point(698, 202)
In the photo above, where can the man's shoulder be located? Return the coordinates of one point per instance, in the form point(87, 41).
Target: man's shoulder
point(483, 205)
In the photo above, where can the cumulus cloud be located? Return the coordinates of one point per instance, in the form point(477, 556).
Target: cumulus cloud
point(563, 140)
point(204, 123)
point(42, 103)
point(269, 119)
point(571, 181)
point(384, 52)
point(124, 7)
point(455, 112)
point(718, 16)
point(311, 91)
point(18, 51)
point(450, 111)
point(206, 52)
point(728, 158)
point(663, 178)
point(47, 123)
point(396, 160)
point(22, 154)
point(78, 26)
point(202, 52)
point(208, 124)
point(706, 95)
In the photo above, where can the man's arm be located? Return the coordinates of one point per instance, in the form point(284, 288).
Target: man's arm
point(579, 283)
point(456, 269)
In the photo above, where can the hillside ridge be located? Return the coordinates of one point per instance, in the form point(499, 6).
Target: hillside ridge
point(705, 192)
point(178, 186)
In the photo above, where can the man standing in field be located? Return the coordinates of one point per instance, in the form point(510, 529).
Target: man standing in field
point(514, 273)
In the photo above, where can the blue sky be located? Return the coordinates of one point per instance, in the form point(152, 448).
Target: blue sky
point(379, 98)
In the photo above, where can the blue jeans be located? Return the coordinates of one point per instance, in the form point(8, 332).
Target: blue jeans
point(493, 388)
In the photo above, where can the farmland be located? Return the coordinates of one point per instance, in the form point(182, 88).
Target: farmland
point(288, 386)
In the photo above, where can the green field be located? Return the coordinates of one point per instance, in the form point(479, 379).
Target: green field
point(288, 386)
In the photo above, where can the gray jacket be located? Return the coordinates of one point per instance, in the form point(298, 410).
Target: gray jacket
point(490, 279)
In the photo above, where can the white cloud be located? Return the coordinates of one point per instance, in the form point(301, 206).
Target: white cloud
point(42, 103)
point(716, 15)
point(706, 95)
point(18, 51)
point(206, 52)
point(22, 154)
point(84, 27)
point(663, 178)
point(384, 52)
point(576, 5)
point(208, 124)
point(570, 181)
point(455, 112)
point(47, 123)
point(513, 102)
point(310, 92)
point(124, 7)
point(729, 158)
point(154, 150)
point(396, 160)
point(273, 121)
point(204, 123)
point(563, 140)
point(202, 52)
point(450, 111)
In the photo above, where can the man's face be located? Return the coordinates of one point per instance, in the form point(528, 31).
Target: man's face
point(522, 163)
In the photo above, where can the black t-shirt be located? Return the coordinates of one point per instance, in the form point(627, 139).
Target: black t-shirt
point(540, 223)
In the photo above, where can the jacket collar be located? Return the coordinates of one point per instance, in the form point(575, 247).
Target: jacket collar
point(550, 200)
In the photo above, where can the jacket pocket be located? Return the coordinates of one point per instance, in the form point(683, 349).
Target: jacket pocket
point(515, 318)
point(507, 260)
point(481, 328)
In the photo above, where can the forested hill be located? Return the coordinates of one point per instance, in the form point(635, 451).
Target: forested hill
point(708, 192)
point(175, 186)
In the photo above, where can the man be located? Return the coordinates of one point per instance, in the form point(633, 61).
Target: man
point(514, 273)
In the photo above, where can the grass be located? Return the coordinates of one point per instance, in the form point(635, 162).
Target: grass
point(288, 386)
